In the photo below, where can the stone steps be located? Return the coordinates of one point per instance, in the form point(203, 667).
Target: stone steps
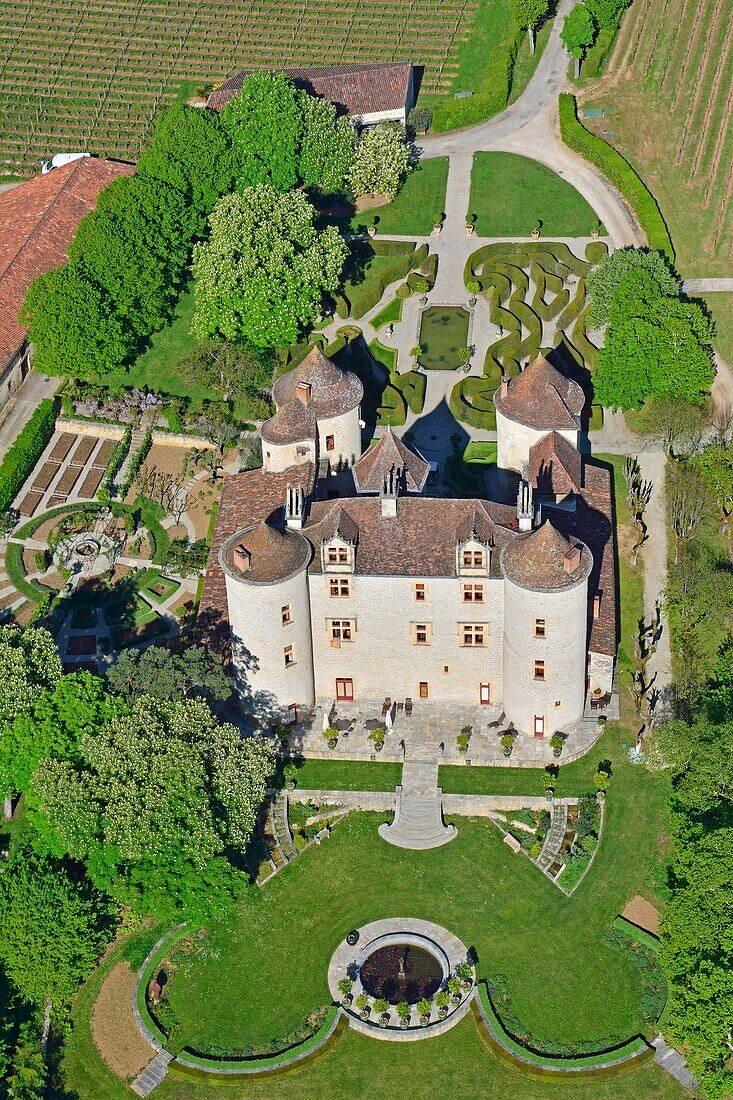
point(153, 1074)
point(418, 823)
point(281, 827)
point(554, 838)
point(674, 1064)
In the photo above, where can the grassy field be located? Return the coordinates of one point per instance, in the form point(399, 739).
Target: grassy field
point(721, 308)
point(349, 775)
point(667, 97)
point(510, 194)
point(91, 74)
point(443, 332)
point(419, 205)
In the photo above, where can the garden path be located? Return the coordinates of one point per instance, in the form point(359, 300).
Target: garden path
point(24, 402)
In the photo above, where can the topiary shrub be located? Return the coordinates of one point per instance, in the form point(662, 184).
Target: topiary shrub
point(343, 306)
point(595, 251)
point(420, 255)
point(404, 290)
point(418, 284)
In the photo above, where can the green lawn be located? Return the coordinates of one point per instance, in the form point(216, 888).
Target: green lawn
point(509, 194)
point(443, 332)
point(484, 453)
point(721, 308)
point(349, 775)
point(418, 206)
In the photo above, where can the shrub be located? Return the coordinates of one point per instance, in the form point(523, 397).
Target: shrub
point(423, 1006)
point(345, 986)
point(290, 773)
point(115, 461)
point(381, 1005)
point(619, 172)
point(25, 452)
point(454, 986)
point(442, 999)
point(377, 736)
point(136, 462)
point(418, 284)
point(343, 308)
point(420, 255)
point(412, 386)
point(430, 268)
point(595, 251)
point(420, 119)
point(403, 1010)
point(404, 290)
point(362, 1002)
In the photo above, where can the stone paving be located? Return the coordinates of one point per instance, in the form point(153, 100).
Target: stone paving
point(554, 838)
point(153, 1074)
point(418, 822)
point(674, 1064)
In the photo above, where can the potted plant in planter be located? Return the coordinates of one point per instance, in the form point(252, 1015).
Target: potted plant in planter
point(290, 773)
point(507, 743)
point(331, 735)
point(404, 1012)
point(557, 741)
point(442, 1000)
point(464, 972)
point(601, 779)
point(345, 987)
point(381, 1007)
point(364, 1006)
point(473, 286)
point(462, 741)
point(423, 1008)
point(454, 988)
point(377, 738)
point(551, 773)
point(282, 733)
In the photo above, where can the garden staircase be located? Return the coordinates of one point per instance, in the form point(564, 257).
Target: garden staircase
point(153, 1074)
point(137, 437)
point(280, 827)
point(674, 1064)
point(418, 821)
point(554, 838)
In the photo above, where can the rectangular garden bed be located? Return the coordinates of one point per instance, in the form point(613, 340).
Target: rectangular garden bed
point(83, 450)
point(82, 645)
point(62, 446)
point(443, 332)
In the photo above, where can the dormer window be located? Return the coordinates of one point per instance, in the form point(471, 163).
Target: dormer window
point(473, 559)
point(338, 555)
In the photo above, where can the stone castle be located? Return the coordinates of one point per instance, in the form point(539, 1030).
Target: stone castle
point(338, 577)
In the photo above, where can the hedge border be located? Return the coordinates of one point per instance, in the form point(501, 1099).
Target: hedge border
point(619, 171)
point(26, 449)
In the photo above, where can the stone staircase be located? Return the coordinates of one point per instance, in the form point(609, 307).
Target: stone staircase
point(153, 1074)
point(674, 1064)
point(554, 838)
point(418, 821)
point(281, 827)
point(137, 437)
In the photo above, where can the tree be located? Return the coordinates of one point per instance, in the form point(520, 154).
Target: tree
point(689, 500)
point(263, 272)
point(73, 325)
point(677, 425)
point(604, 279)
point(265, 125)
point(29, 666)
point(52, 926)
point(327, 145)
point(29, 1076)
point(164, 675)
point(160, 802)
point(578, 33)
point(191, 151)
point(606, 13)
point(381, 161)
point(528, 14)
point(715, 466)
point(239, 372)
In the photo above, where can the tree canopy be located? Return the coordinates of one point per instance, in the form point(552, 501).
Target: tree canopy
point(164, 675)
point(603, 280)
point(528, 14)
point(327, 145)
point(29, 666)
point(262, 274)
point(159, 802)
point(381, 161)
point(578, 31)
point(239, 372)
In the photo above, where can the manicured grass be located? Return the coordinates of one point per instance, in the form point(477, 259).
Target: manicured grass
point(275, 945)
point(480, 452)
point(370, 268)
point(389, 314)
point(509, 194)
point(464, 479)
point(721, 308)
point(384, 355)
point(443, 332)
point(417, 207)
point(349, 775)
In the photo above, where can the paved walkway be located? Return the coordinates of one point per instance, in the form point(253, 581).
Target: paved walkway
point(22, 405)
point(704, 286)
point(153, 1074)
point(674, 1064)
point(418, 822)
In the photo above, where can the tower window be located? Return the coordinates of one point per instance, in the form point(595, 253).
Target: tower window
point(473, 559)
point(330, 443)
point(287, 615)
point(421, 633)
point(539, 670)
point(540, 628)
point(423, 689)
point(288, 654)
point(420, 592)
point(338, 555)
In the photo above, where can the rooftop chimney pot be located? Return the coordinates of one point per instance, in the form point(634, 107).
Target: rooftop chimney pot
point(303, 392)
point(572, 559)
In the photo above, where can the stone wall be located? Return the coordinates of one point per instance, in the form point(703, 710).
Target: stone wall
point(513, 442)
point(346, 433)
point(90, 427)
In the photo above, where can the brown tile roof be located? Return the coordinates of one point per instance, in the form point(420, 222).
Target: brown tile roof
point(333, 391)
point(386, 454)
point(538, 559)
point(356, 89)
point(420, 541)
point(541, 397)
point(263, 553)
point(555, 467)
point(246, 499)
point(293, 422)
point(38, 220)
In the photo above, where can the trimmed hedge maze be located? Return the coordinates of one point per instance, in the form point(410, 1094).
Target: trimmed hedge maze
point(536, 296)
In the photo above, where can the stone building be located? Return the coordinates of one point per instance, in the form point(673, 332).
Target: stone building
point(362, 587)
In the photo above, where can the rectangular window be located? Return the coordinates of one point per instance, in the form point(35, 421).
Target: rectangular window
point(423, 692)
point(540, 628)
point(342, 630)
point(330, 444)
point(473, 634)
point(473, 593)
point(289, 658)
point(422, 633)
point(473, 559)
point(292, 714)
point(539, 670)
point(420, 592)
point(539, 725)
point(484, 694)
point(338, 555)
point(287, 615)
point(345, 689)
point(338, 586)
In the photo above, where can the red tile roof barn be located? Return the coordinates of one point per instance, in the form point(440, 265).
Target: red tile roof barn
point(38, 220)
point(355, 89)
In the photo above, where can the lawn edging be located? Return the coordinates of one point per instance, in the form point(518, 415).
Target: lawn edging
point(581, 1065)
point(618, 170)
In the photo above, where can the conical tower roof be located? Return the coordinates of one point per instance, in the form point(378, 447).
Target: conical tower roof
point(541, 398)
point(543, 559)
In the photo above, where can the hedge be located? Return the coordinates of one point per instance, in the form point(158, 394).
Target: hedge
point(25, 452)
point(116, 459)
point(32, 590)
point(496, 84)
point(390, 314)
point(619, 172)
point(412, 386)
point(384, 355)
point(136, 461)
point(461, 404)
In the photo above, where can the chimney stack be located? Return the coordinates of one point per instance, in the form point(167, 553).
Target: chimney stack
point(596, 606)
point(294, 507)
point(572, 558)
point(389, 494)
point(504, 387)
point(525, 504)
point(242, 558)
point(303, 392)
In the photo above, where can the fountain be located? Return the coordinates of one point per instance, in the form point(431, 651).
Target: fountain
point(401, 972)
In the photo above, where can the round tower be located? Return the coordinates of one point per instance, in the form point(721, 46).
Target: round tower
point(545, 630)
point(266, 573)
point(333, 397)
point(537, 401)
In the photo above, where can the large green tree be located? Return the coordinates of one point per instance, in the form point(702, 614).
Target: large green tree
point(265, 125)
point(29, 666)
point(528, 14)
point(158, 672)
point(604, 279)
point(326, 147)
point(160, 801)
point(578, 33)
point(265, 268)
point(239, 372)
point(381, 161)
point(52, 926)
